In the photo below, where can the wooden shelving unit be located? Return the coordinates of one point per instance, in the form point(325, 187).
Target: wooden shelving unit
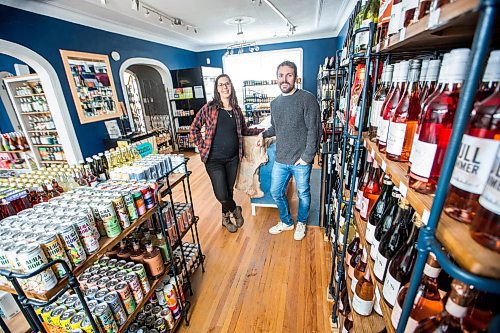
point(452, 234)
point(48, 145)
point(32, 95)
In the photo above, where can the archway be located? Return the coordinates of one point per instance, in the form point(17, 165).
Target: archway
point(53, 93)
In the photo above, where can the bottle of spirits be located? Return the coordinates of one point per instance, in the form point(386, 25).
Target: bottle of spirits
point(485, 228)
point(480, 313)
point(401, 265)
point(153, 261)
point(392, 241)
point(386, 221)
point(428, 301)
point(359, 271)
point(364, 295)
point(451, 319)
point(477, 154)
point(435, 130)
point(162, 245)
point(378, 100)
point(352, 248)
point(403, 124)
point(491, 77)
point(137, 254)
point(124, 252)
point(378, 208)
point(355, 259)
point(371, 191)
point(391, 104)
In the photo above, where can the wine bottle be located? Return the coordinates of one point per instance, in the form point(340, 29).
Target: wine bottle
point(391, 103)
point(386, 221)
point(352, 248)
point(401, 265)
point(350, 235)
point(378, 100)
point(364, 295)
point(370, 14)
point(435, 130)
point(355, 259)
point(475, 159)
point(367, 107)
point(480, 313)
point(357, 88)
point(384, 17)
point(371, 191)
point(359, 270)
point(427, 302)
point(451, 319)
point(378, 208)
point(391, 242)
point(423, 73)
point(403, 123)
point(348, 324)
point(430, 80)
point(491, 77)
point(485, 228)
point(365, 179)
point(344, 307)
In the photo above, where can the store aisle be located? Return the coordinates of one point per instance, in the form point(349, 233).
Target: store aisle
point(256, 282)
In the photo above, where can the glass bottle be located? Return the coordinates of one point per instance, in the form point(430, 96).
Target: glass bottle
point(352, 248)
point(435, 129)
point(480, 313)
point(137, 254)
point(356, 91)
point(364, 295)
point(403, 123)
point(491, 77)
point(485, 228)
point(344, 307)
point(423, 73)
point(355, 259)
point(105, 165)
point(348, 324)
point(371, 191)
point(367, 106)
point(162, 245)
point(124, 252)
point(365, 180)
point(430, 80)
point(378, 208)
point(396, 16)
point(427, 302)
point(378, 100)
point(350, 235)
point(451, 319)
point(477, 154)
point(370, 14)
point(359, 270)
point(153, 261)
point(384, 17)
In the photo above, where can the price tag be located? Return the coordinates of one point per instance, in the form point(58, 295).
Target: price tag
point(402, 34)
point(403, 189)
point(433, 18)
point(372, 153)
point(425, 216)
point(384, 166)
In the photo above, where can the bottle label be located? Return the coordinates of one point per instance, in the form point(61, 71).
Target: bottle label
point(383, 125)
point(361, 306)
point(364, 207)
point(396, 314)
point(354, 282)
point(432, 272)
point(375, 114)
point(474, 162)
point(379, 267)
point(376, 304)
point(490, 199)
point(395, 18)
point(412, 152)
point(391, 288)
point(396, 138)
point(359, 200)
point(423, 159)
point(411, 325)
point(455, 309)
point(410, 4)
point(374, 249)
point(384, 12)
point(370, 232)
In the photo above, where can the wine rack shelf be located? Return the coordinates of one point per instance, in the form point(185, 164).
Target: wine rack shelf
point(452, 234)
point(450, 26)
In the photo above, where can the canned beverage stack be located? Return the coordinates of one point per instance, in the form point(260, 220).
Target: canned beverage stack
point(184, 215)
point(191, 255)
point(151, 167)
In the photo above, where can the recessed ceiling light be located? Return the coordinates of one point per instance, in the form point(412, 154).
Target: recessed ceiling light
point(243, 20)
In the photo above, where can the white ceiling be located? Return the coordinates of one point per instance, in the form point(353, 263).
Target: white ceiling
point(313, 19)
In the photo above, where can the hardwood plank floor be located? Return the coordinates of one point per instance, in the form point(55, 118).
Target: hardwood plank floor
point(254, 281)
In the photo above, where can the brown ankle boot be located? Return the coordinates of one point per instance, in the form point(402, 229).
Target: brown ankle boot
point(238, 217)
point(226, 222)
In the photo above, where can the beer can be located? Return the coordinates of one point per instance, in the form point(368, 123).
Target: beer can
point(111, 285)
point(121, 264)
point(54, 250)
point(159, 294)
point(30, 258)
point(46, 314)
point(90, 292)
point(156, 310)
point(149, 200)
point(99, 296)
point(112, 263)
point(150, 320)
point(143, 278)
point(92, 305)
point(103, 261)
point(87, 234)
point(71, 301)
point(76, 321)
point(92, 282)
point(94, 205)
point(109, 219)
point(135, 286)
point(171, 298)
point(103, 281)
point(86, 326)
point(133, 328)
point(66, 319)
point(55, 316)
point(160, 325)
point(121, 210)
point(106, 319)
point(130, 204)
point(139, 201)
point(148, 309)
point(92, 269)
point(129, 266)
point(125, 294)
point(166, 314)
point(141, 318)
point(178, 287)
point(72, 244)
point(114, 303)
point(120, 276)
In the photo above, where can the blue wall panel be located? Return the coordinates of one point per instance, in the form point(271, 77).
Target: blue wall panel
point(7, 65)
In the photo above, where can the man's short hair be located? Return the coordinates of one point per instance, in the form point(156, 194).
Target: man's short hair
point(290, 64)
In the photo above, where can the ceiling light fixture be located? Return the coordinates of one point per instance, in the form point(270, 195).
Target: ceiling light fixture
point(103, 2)
point(289, 24)
point(174, 21)
point(146, 13)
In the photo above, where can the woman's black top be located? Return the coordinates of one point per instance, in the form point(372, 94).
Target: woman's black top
point(225, 142)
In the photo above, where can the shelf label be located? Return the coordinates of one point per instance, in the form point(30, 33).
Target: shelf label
point(403, 189)
point(384, 165)
point(402, 34)
point(433, 18)
point(425, 216)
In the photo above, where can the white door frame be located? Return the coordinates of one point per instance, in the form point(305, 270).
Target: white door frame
point(53, 93)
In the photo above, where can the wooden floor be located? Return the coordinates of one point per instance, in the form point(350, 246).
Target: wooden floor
point(254, 281)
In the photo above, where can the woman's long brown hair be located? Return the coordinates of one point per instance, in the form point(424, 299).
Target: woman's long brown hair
point(217, 101)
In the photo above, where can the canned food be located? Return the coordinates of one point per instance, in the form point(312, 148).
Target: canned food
point(113, 301)
point(54, 250)
point(109, 219)
point(125, 294)
point(72, 245)
point(87, 233)
point(30, 258)
point(121, 210)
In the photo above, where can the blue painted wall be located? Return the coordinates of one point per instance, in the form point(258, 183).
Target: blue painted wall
point(45, 36)
point(7, 65)
point(314, 53)
point(342, 35)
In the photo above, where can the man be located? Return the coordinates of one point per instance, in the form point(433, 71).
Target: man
point(296, 123)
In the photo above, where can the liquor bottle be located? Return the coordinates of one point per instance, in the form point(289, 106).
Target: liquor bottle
point(364, 295)
point(162, 245)
point(371, 191)
point(386, 221)
point(124, 252)
point(475, 159)
point(137, 254)
point(153, 261)
point(485, 228)
point(348, 324)
point(451, 319)
point(390, 243)
point(404, 121)
point(384, 17)
point(352, 248)
point(427, 302)
point(355, 259)
point(491, 77)
point(391, 103)
point(435, 129)
point(366, 178)
point(370, 14)
point(359, 270)
point(378, 100)
point(378, 208)
point(401, 265)
point(480, 313)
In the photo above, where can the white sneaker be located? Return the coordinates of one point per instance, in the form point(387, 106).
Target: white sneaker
point(280, 227)
point(300, 231)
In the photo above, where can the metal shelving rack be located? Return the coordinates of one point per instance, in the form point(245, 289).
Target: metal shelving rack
point(480, 267)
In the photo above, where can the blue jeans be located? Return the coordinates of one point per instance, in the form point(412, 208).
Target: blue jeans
point(280, 177)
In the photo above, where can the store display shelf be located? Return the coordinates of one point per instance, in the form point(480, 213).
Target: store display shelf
point(13, 151)
point(454, 235)
point(183, 131)
point(21, 170)
point(386, 309)
point(450, 26)
point(185, 232)
point(34, 113)
point(105, 244)
point(363, 324)
point(47, 145)
point(31, 95)
point(43, 131)
point(54, 162)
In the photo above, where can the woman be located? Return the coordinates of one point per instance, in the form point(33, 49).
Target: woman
point(222, 147)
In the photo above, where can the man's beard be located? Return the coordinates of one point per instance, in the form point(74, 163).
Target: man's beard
point(286, 90)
